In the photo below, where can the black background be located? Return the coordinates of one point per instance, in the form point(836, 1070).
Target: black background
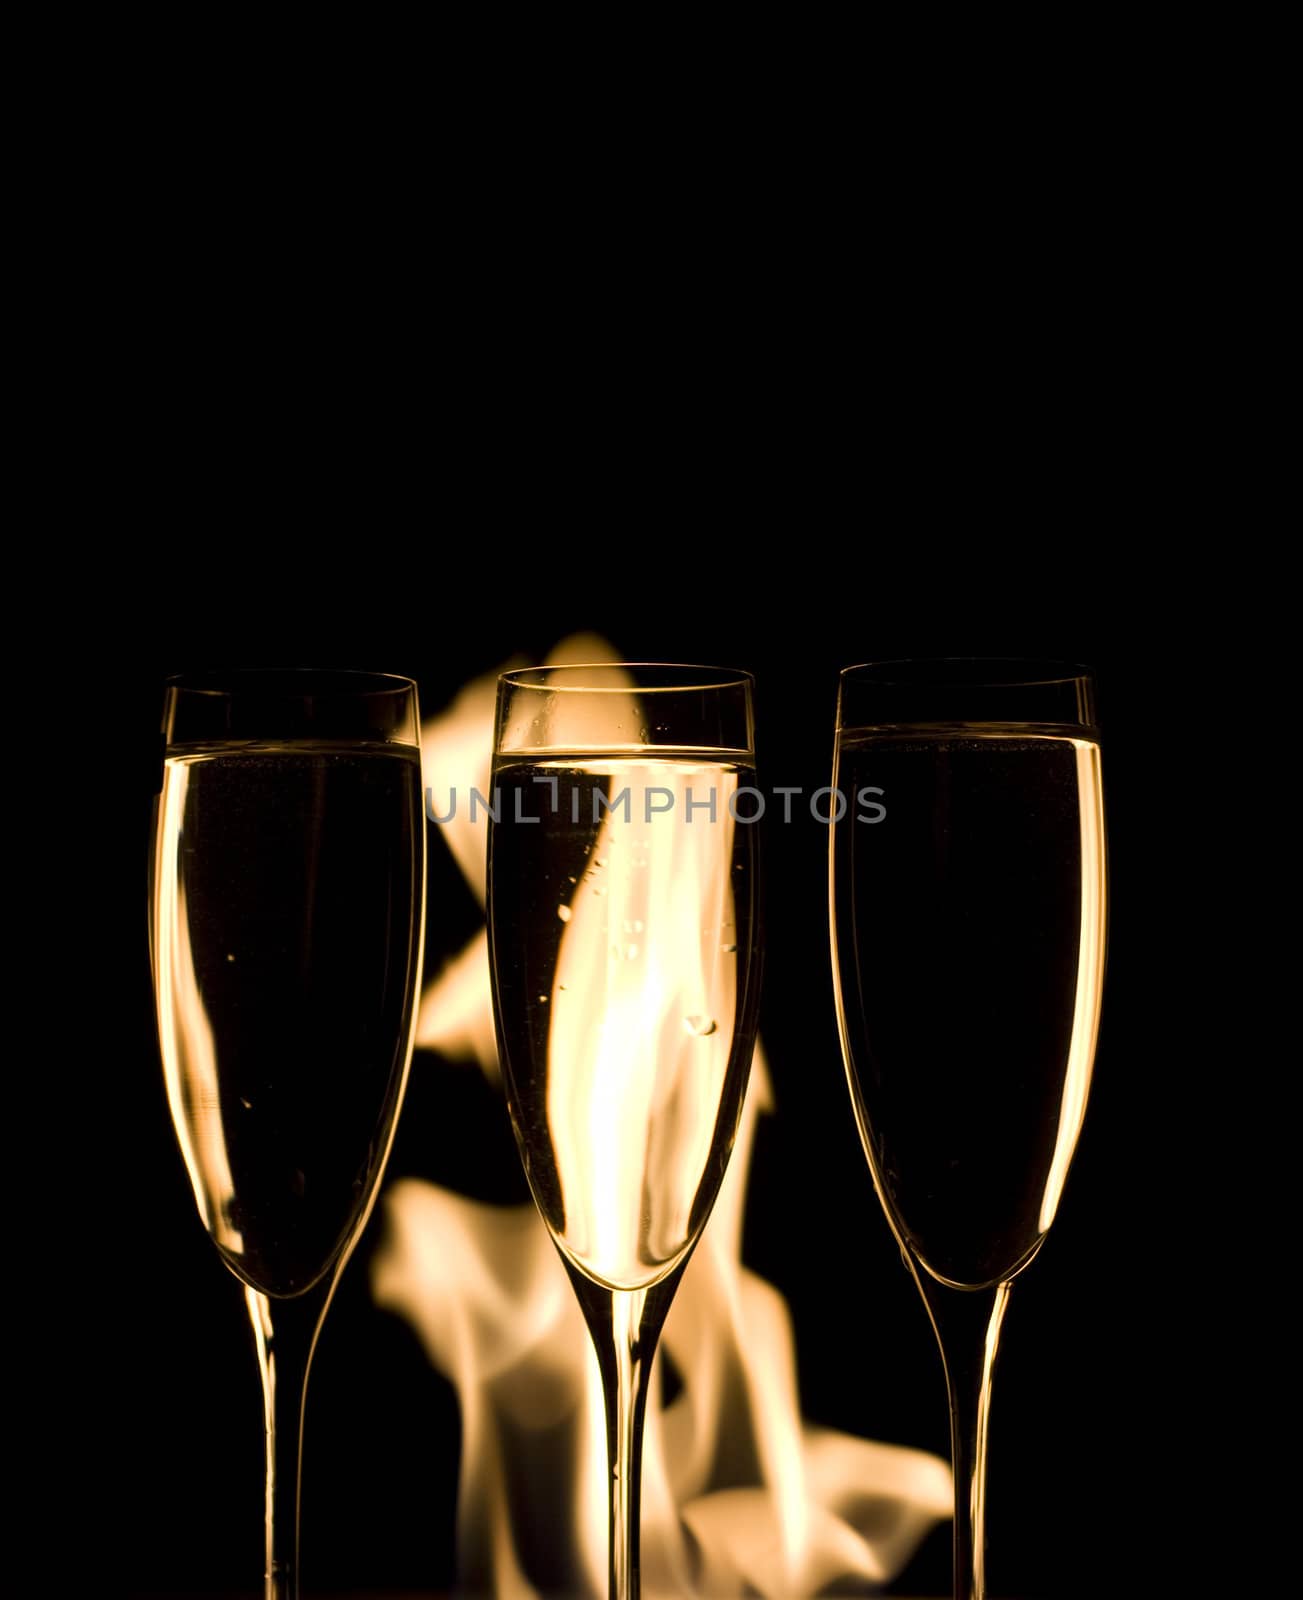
point(1102, 1471)
point(299, 388)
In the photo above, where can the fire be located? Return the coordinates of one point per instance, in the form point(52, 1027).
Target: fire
point(739, 1495)
point(636, 1077)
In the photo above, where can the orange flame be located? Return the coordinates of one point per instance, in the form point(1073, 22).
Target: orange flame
point(739, 1495)
point(642, 1030)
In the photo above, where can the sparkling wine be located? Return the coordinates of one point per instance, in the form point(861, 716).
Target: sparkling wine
point(285, 934)
point(969, 940)
point(622, 942)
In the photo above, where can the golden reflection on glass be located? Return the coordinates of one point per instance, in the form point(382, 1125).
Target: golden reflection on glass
point(642, 1005)
point(185, 1033)
point(1090, 978)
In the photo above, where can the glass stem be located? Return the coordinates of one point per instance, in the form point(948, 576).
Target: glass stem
point(626, 1408)
point(967, 1324)
point(285, 1332)
point(625, 1325)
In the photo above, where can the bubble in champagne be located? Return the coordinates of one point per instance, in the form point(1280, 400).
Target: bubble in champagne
point(564, 912)
point(700, 1027)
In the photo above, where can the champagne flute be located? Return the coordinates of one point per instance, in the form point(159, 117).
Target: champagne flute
point(624, 942)
point(286, 907)
point(968, 924)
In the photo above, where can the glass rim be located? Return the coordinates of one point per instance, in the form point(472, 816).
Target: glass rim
point(1015, 672)
point(695, 678)
point(356, 681)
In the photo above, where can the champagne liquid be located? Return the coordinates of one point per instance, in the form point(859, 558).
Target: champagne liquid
point(969, 953)
point(285, 927)
point(625, 986)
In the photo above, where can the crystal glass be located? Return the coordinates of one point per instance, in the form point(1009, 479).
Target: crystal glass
point(286, 907)
point(968, 926)
point(624, 939)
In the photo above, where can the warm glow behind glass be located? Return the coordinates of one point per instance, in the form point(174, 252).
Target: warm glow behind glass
point(484, 1289)
point(631, 1040)
point(624, 949)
